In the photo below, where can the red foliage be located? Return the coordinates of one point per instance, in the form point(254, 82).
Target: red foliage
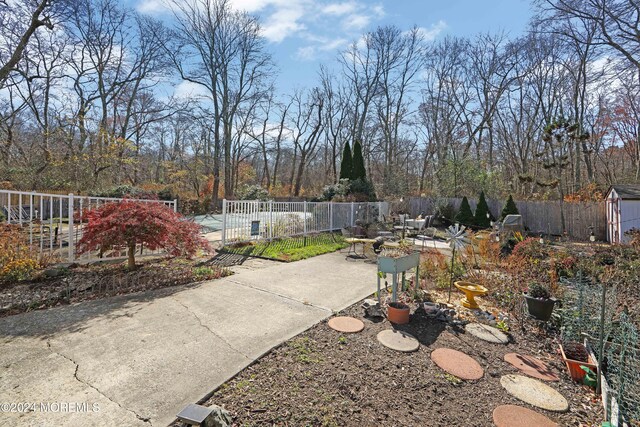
point(128, 223)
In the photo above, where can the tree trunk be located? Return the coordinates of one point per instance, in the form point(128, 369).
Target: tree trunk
point(131, 256)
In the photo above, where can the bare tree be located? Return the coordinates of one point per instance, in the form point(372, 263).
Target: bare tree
point(221, 50)
point(615, 20)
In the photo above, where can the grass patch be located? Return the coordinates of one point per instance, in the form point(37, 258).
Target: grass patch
point(291, 249)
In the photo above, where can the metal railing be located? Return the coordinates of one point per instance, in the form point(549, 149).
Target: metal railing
point(54, 222)
point(591, 310)
point(247, 220)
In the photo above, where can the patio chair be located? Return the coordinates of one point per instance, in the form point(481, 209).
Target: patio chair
point(16, 213)
point(355, 236)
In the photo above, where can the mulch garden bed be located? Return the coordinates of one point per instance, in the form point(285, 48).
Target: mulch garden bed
point(68, 285)
point(325, 378)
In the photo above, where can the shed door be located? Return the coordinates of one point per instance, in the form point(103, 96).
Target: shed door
point(613, 214)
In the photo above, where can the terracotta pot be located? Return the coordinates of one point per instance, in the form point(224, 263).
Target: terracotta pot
point(573, 366)
point(398, 313)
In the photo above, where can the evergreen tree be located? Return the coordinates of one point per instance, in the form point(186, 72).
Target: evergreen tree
point(359, 171)
point(465, 215)
point(510, 208)
point(481, 218)
point(346, 165)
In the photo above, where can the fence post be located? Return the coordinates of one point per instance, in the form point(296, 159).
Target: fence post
point(71, 232)
point(351, 224)
point(270, 220)
point(331, 217)
point(175, 205)
point(224, 220)
point(304, 230)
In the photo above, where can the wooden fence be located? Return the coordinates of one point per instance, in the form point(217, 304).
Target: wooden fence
point(538, 216)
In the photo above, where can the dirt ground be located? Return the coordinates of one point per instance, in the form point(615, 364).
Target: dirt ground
point(67, 285)
point(325, 378)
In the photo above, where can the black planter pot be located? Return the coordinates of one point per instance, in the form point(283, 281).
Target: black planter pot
point(540, 309)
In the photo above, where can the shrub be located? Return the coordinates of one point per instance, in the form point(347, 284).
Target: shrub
point(437, 268)
point(362, 190)
point(482, 216)
point(19, 269)
point(510, 208)
point(530, 249)
point(126, 224)
point(446, 211)
point(252, 192)
point(340, 189)
point(209, 273)
point(634, 237)
point(17, 260)
point(346, 164)
point(130, 191)
point(465, 216)
point(537, 290)
point(358, 169)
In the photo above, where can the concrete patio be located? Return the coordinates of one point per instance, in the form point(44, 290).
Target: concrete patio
point(138, 359)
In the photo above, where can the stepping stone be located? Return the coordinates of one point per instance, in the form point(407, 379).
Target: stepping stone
point(457, 363)
point(398, 340)
point(347, 325)
point(487, 333)
point(531, 366)
point(534, 393)
point(517, 416)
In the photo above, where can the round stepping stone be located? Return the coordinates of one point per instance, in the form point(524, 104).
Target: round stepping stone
point(457, 363)
point(487, 333)
point(534, 393)
point(517, 416)
point(531, 366)
point(347, 325)
point(398, 340)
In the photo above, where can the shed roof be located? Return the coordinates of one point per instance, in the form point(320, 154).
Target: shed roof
point(626, 191)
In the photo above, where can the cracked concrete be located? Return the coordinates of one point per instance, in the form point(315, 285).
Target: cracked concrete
point(141, 358)
point(209, 329)
point(75, 375)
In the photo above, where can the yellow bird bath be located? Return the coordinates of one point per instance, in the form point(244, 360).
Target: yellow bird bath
point(470, 291)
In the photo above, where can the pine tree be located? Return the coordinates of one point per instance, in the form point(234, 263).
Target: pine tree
point(346, 165)
point(359, 171)
point(481, 218)
point(510, 208)
point(465, 215)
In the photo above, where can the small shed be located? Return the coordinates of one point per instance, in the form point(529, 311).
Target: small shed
point(623, 211)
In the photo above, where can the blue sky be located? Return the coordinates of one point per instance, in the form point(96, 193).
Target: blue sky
point(302, 34)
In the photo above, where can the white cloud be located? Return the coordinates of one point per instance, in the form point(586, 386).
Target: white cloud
point(189, 90)
point(310, 52)
point(379, 10)
point(251, 5)
point(151, 7)
point(434, 31)
point(310, 20)
point(306, 53)
point(333, 44)
point(339, 9)
point(283, 24)
point(356, 22)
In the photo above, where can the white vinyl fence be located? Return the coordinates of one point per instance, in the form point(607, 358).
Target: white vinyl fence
point(246, 220)
point(54, 222)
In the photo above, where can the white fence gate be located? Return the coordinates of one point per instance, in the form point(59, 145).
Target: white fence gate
point(54, 222)
point(246, 220)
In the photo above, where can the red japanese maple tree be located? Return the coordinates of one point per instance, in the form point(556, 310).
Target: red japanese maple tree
point(127, 223)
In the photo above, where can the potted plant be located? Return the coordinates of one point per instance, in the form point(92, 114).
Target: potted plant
point(575, 356)
point(398, 313)
point(539, 301)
